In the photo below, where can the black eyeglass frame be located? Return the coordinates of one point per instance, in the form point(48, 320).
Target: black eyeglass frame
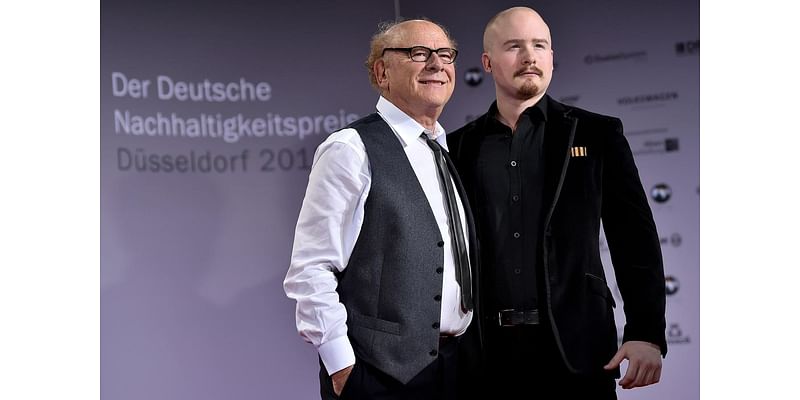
point(428, 51)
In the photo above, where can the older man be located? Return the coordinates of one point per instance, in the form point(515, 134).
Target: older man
point(380, 267)
point(542, 176)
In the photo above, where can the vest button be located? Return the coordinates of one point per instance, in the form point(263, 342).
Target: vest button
point(435, 325)
point(433, 353)
point(439, 270)
point(438, 297)
point(440, 244)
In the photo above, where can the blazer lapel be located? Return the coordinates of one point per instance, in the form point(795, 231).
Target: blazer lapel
point(558, 138)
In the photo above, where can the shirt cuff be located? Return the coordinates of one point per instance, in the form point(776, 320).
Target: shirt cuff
point(337, 354)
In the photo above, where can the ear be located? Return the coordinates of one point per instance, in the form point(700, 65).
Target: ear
point(379, 69)
point(486, 62)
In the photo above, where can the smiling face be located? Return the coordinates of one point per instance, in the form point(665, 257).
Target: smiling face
point(420, 89)
point(518, 54)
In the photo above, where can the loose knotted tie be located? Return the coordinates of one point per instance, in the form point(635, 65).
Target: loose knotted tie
point(460, 255)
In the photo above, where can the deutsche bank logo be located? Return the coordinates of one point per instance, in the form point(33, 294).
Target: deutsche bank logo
point(473, 76)
point(661, 193)
point(671, 144)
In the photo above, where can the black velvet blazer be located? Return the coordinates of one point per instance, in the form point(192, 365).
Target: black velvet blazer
point(590, 177)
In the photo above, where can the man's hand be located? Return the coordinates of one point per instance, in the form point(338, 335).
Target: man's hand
point(644, 364)
point(339, 378)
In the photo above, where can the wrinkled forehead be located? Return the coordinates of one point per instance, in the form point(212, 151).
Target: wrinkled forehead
point(417, 33)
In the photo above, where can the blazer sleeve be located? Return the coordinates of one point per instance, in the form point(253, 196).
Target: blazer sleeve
point(633, 242)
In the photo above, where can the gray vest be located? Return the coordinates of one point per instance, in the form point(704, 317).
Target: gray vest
point(395, 270)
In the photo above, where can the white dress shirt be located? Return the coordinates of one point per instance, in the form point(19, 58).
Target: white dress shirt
point(329, 224)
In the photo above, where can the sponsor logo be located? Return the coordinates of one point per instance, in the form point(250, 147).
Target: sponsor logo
point(661, 193)
point(639, 55)
point(675, 335)
point(649, 98)
point(667, 145)
point(473, 76)
point(570, 99)
point(675, 240)
point(671, 144)
point(647, 131)
point(672, 285)
point(687, 48)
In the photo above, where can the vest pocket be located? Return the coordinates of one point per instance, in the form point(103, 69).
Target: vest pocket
point(373, 323)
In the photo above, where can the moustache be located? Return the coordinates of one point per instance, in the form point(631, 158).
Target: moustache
point(525, 70)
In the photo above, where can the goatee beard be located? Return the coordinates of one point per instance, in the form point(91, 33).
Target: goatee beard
point(528, 90)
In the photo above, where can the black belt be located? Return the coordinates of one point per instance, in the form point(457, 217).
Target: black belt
point(517, 317)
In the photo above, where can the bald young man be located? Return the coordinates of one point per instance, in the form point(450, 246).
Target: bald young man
point(542, 176)
point(380, 267)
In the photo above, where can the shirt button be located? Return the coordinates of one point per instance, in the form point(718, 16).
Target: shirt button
point(440, 244)
point(513, 163)
point(438, 297)
point(439, 270)
point(433, 353)
point(517, 271)
point(516, 235)
point(435, 325)
point(515, 197)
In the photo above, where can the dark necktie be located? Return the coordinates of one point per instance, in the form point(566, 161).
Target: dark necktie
point(460, 257)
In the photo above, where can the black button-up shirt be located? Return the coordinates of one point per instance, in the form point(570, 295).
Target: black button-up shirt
point(511, 174)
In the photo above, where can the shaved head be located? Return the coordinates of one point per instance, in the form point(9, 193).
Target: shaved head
point(518, 53)
point(500, 19)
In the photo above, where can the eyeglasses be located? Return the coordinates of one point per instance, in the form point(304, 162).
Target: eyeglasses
point(422, 53)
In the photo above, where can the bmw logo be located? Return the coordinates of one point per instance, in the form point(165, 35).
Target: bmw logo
point(473, 76)
point(672, 285)
point(661, 193)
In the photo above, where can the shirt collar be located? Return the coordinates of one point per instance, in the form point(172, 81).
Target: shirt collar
point(540, 107)
point(405, 127)
point(535, 112)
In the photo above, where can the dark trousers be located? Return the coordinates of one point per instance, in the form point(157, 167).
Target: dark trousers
point(436, 382)
point(524, 363)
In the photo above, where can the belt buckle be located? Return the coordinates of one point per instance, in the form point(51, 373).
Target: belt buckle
point(514, 317)
point(531, 317)
point(500, 318)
